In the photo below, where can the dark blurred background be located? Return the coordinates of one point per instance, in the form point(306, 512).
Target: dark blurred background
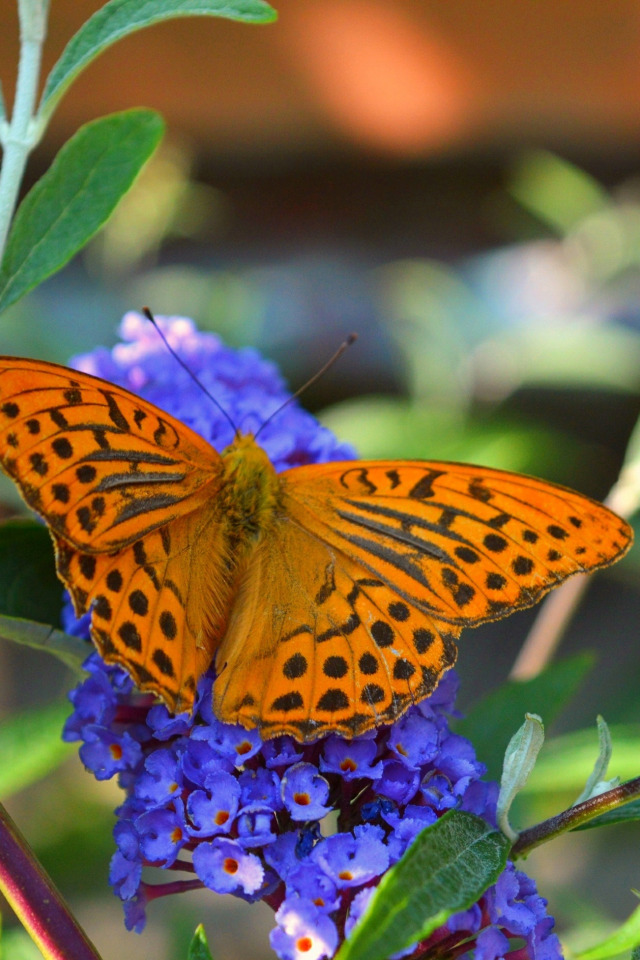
point(457, 182)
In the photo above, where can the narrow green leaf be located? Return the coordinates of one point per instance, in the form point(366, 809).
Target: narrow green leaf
point(119, 18)
point(489, 722)
point(29, 587)
point(30, 746)
point(626, 937)
point(71, 650)
point(626, 814)
point(596, 782)
point(75, 197)
point(199, 948)
point(447, 868)
point(519, 760)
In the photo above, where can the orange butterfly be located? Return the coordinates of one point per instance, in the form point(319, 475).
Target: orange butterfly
point(330, 595)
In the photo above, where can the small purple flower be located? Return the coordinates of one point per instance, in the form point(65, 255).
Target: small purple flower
point(414, 739)
point(491, 944)
point(225, 867)
point(161, 780)
point(165, 725)
point(305, 792)
point(201, 763)
point(234, 743)
point(260, 786)
point(213, 811)
point(398, 782)
point(304, 932)
point(310, 882)
point(125, 876)
point(135, 913)
point(351, 861)
point(106, 753)
point(256, 826)
point(162, 834)
point(351, 759)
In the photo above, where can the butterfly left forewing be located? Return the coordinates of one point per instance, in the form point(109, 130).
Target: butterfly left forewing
point(130, 496)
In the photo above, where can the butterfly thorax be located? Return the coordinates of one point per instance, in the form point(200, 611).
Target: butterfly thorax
point(250, 493)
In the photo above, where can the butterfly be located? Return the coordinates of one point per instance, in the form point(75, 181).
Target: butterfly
point(328, 596)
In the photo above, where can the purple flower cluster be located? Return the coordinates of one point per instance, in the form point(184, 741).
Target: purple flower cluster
point(310, 829)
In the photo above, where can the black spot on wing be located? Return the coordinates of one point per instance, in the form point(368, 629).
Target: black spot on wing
point(115, 413)
point(423, 488)
point(288, 702)
point(295, 667)
point(333, 700)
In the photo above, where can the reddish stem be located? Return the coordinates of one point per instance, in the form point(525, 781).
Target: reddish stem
point(36, 901)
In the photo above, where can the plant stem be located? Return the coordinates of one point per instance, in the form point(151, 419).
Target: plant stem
point(575, 817)
point(20, 136)
point(35, 900)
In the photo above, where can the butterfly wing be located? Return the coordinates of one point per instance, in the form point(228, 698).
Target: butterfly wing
point(102, 466)
point(350, 608)
point(129, 493)
point(308, 649)
point(465, 543)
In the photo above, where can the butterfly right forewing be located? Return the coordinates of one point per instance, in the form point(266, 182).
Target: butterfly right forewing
point(466, 544)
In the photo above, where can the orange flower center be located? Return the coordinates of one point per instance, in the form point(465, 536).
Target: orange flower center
point(303, 799)
point(221, 817)
point(304, 944)
point(230, 865)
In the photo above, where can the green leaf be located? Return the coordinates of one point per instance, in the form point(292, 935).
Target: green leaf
point(75, 197)
point(519, 760)
point(31, 746)
point(29, 587)
point(596, 782)
point(489, 722)
point(119, 18)
point(626, 937)
point(447, 868)
point(199, 948)
point(71, 650)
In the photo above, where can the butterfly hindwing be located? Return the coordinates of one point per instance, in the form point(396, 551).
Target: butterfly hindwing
point(324, 646)
point(153, 611)
point(102, 466)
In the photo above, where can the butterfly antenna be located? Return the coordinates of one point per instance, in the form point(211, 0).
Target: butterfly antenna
point(330, 362)
point(184, 366)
